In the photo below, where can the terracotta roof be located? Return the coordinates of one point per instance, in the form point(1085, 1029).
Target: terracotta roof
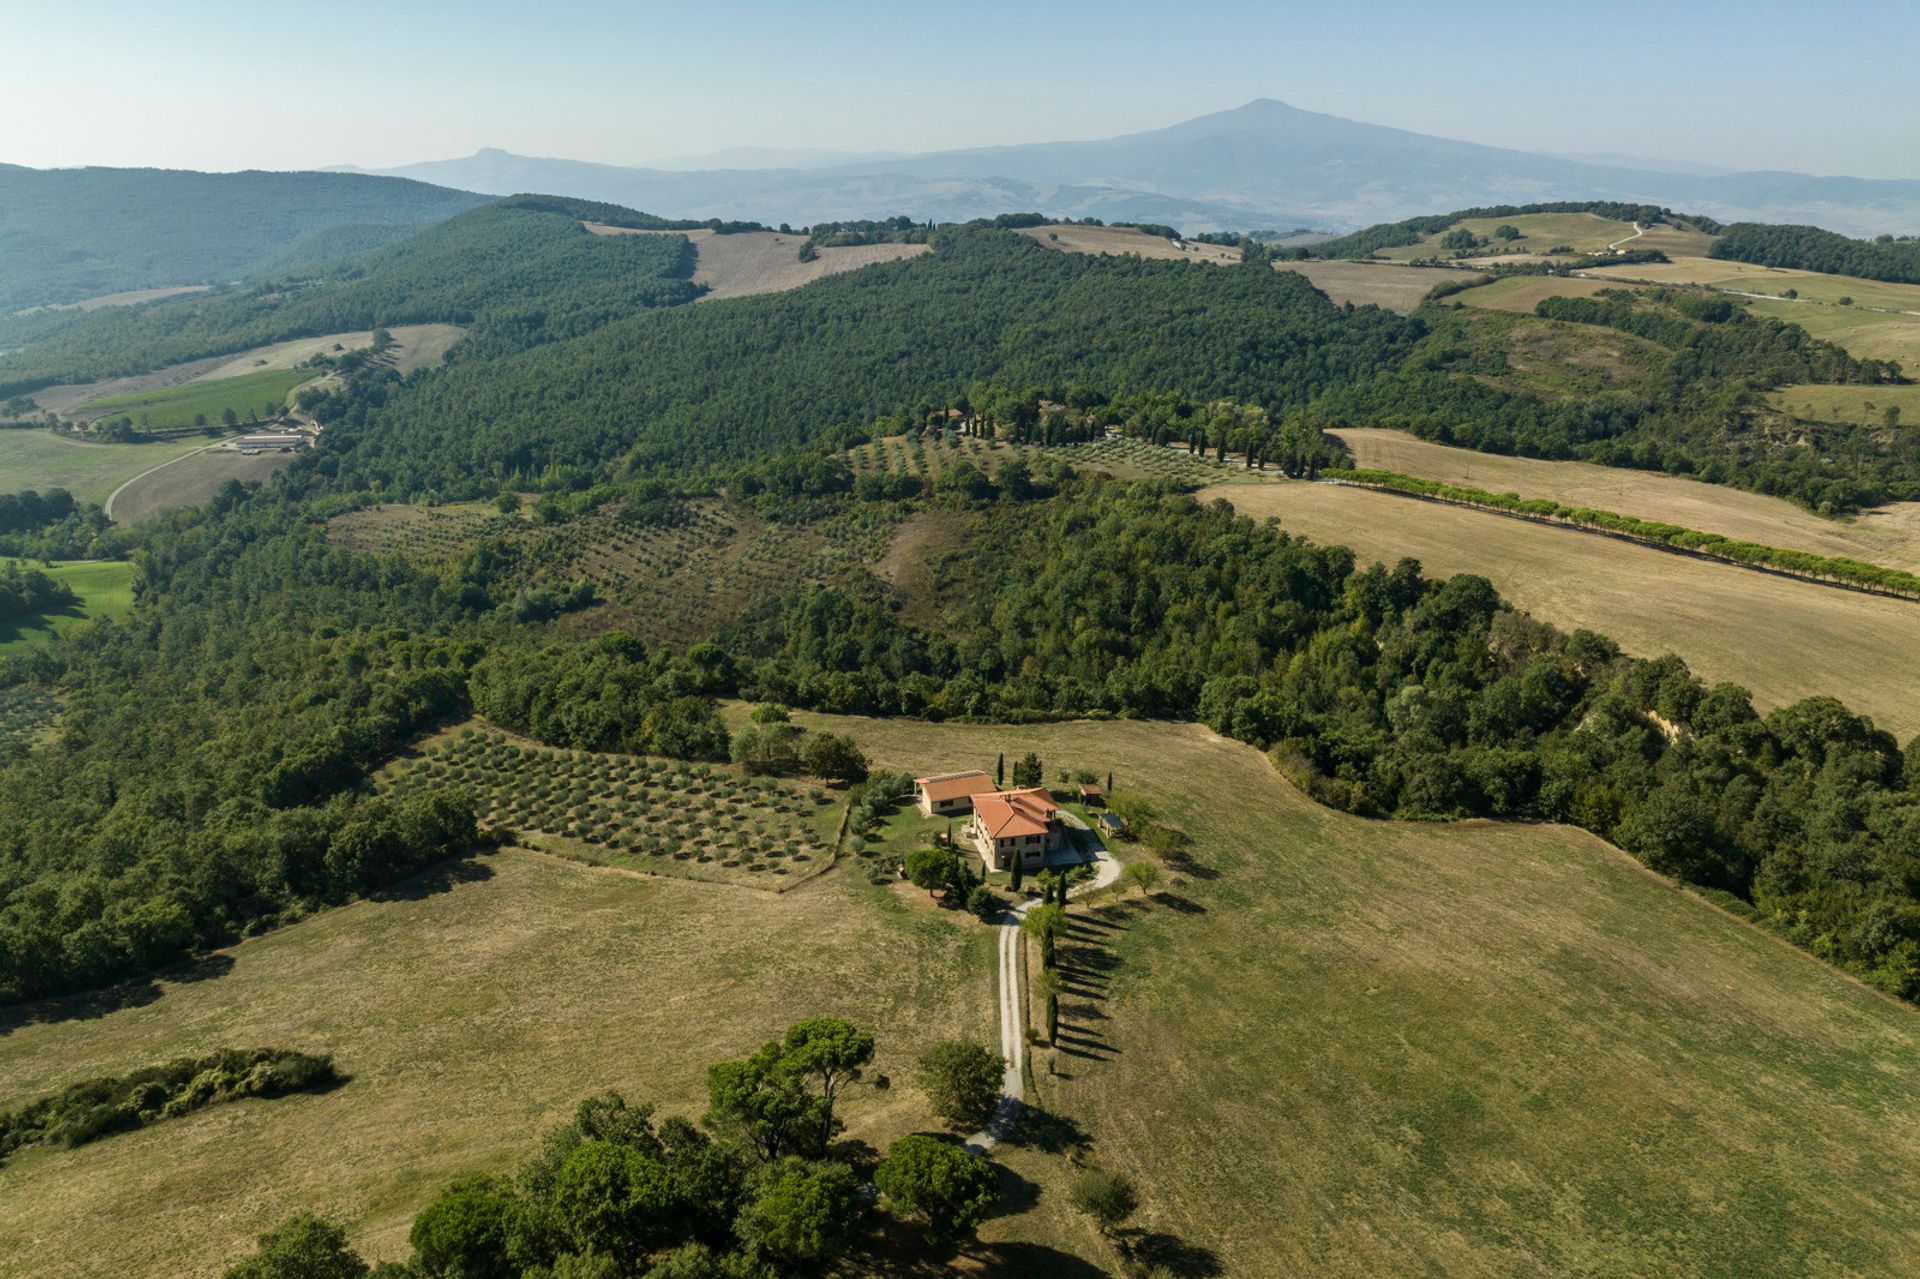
point(942, 787)
point(1090, 790)
point(1006, 814)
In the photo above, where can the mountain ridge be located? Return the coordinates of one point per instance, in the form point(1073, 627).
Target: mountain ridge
point(1261, 166)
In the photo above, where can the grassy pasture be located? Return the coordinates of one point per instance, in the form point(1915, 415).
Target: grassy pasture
point(1539, 232)
point(249, 395)
point(665, 817)
point(1338, 1047)
point(472, 1008)
point(105, 588)
point(1867, 335)
point(1521, 293)
point(1783, 639)
point(1865, 405)
point(1393, 288)
point(193, 481)
point(752, 262)
point(1889, 536)
point(1396, 288)
point(1812, 286)
point(35, 459)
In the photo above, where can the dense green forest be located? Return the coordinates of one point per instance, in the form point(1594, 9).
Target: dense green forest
point(713, 383)
point(1809, 248)
point(520, 271)
point(68, 234)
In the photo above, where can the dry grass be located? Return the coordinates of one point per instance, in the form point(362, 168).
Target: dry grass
point(417, 345)
point(1813, 287)
point(1781, 638)
point(471, 1016)
point(36, 459)
point(1887, 536)
point(1521, 293)
point(192, 481)
point(751, 262)
point(1071, 237)
point(1396, 288)
point(1341, 1047)
point(1866, 335)
point(1581, 232)
point(132, 297)
point(1861, 405)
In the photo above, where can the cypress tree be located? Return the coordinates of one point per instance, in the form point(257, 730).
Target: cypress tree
point(1000, 771)
point(1017, 874)
point(1053, 1018)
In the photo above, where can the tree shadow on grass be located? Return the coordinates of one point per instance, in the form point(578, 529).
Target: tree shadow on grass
point(1038, 1128)
point(441, 877)
point(1013, 1259)
point(1153, 1248)
point(136, 993)
point(1184, 905)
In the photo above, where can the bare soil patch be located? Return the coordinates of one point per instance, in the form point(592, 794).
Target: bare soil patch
point(752, 262)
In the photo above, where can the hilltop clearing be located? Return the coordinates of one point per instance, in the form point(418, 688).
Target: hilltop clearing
point(743, 263)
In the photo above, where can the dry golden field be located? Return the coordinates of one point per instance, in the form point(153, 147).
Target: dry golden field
point(1335, 1047)
point(750, 262)
point(472, 1011)
point(1781, 638)
point(1396, 288)
point(1521, 293)
point(1890, 535)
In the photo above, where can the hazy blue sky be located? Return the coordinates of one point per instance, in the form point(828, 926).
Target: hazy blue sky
point(1826, 88)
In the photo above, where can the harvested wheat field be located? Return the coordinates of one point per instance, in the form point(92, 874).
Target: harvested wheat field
point(191, 481)
point(750, 262)
point(1394, 287)
point(1783, 639)
point(1521, 293)
point(1072, 237)
point(1890, 535)
point(1336, 1047)
point(418, 345)
point(472, 1009)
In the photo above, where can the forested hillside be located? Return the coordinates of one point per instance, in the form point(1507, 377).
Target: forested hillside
point(69, 234)
point(520, 271)
point(1809, 248)
point(716, 383)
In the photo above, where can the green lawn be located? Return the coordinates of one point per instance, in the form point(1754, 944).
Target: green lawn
point(33, 459)
point(105, 588)
point(250, 395)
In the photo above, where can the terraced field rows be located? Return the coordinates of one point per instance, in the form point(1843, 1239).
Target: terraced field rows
point(668, 817)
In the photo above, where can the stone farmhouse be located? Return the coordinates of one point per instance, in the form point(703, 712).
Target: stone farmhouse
point(949, 793)
point(1023, 824)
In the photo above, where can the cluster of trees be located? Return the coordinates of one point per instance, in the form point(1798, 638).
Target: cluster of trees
point(608, 694)
point(756, 1190)
point(775, 744)
point(27, 592)
point(31, 510)
point(96, 1108)
point(1833, 568)
point(1809, 248)
point(53, 526)
point(894, 230)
